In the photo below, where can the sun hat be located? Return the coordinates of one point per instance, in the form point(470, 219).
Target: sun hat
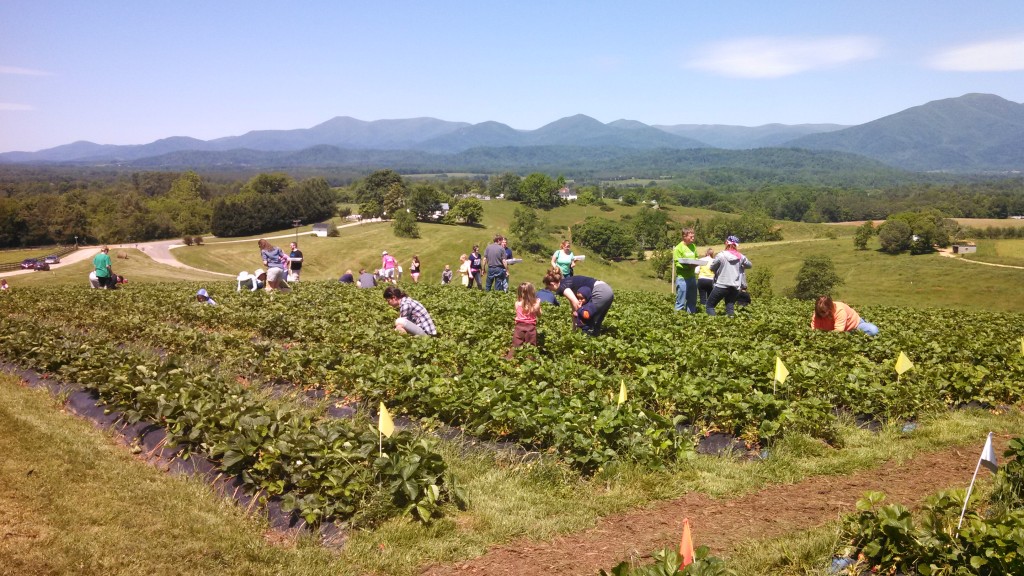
point(384, 253)
point(243, 275)
point(259, 272)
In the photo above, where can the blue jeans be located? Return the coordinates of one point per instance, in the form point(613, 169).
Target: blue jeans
point(495, 276)
point(719, 293)
point(686, 294)
point(867, 328)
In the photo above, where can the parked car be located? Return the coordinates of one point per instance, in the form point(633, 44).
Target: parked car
point(28, 263)
point(40, 265)
point(52, 259)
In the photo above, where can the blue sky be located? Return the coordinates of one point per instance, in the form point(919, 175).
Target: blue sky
point(133, 72)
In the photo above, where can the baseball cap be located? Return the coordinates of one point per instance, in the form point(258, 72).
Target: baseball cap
point(584, 293)
point(202, 292)
point(384, 253)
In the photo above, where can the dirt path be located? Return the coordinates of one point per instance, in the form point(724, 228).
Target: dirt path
point(724, 525)
point(949, 254)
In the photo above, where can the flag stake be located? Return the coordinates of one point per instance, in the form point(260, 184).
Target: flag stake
point(988, 457)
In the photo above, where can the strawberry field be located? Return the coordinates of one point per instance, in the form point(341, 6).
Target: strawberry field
point(218, 379)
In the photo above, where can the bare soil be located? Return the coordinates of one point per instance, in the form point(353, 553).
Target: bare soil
point(725, 525)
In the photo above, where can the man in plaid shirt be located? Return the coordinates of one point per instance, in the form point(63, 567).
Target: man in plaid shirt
point(413, 318)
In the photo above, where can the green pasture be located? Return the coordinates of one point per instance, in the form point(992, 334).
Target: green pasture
point(72, 501)
point(986, 222)
point(873, 277)
point(1006, 252)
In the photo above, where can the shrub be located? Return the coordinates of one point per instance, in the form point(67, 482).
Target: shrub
point(186, 240)
point(405, 225)
point(817, 277)
point(197, 240)
point(759, 283)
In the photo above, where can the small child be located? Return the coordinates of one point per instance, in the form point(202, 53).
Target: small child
point(583, 315)
point(446, 276)
point(203, 297)
point(527, 312)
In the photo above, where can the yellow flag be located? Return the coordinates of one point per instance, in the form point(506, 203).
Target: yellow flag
point(903, 364)
point(386, 424)
point(781, 373)
point(622, 392)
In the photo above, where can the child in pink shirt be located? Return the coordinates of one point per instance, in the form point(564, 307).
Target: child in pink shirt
point(527, 312)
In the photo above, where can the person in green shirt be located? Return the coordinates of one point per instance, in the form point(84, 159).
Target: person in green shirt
point(686, 277)
point(104, 270)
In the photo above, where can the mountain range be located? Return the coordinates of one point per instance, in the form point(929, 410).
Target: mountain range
point(972, 133)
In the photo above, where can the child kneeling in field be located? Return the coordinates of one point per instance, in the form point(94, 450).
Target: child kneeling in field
point(527, 312)
point(839, 317)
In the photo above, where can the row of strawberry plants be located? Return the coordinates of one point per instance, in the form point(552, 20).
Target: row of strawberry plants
point(325, 469)
point(889, 538)
point(712, 373)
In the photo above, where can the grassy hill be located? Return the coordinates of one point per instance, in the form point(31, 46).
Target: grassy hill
point(871, 277)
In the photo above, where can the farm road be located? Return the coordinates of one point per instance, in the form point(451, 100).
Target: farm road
point(725, 525)
point(160, 251)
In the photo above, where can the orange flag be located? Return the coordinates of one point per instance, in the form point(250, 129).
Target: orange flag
point(686, 545)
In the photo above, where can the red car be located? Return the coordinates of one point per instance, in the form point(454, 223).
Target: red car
point(29, 263)
point(40, 265)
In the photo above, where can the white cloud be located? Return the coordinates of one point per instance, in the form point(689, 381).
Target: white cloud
point(773, 57)
point(22, 71)
point(994, 56)
point(9, 107)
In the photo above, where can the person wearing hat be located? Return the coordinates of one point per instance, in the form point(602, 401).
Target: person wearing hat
point(584, 316)
point(728, 266)
point(203, 296)
point(104, 269)
point(247, 281)
point(388, 264)
point(260, 278)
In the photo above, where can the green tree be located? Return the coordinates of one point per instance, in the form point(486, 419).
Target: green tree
point(649, 228)
point(274, 183)
point(864, 233)
point(466, 211)
point(539, 191)
point(527, 230)
point(505, 185)
point(404, 225)
point(895, 236)
point(185, 205)
point(606, 238)
point(424, 200)
point(817, 277)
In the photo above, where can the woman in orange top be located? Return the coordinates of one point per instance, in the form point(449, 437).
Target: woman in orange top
point(839, 317)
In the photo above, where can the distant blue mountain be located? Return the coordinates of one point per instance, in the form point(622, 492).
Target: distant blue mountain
point(974, 132)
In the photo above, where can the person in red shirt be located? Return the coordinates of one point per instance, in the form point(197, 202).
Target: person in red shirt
point(839, 317)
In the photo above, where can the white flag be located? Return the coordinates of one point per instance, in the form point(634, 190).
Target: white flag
point(988, 455)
